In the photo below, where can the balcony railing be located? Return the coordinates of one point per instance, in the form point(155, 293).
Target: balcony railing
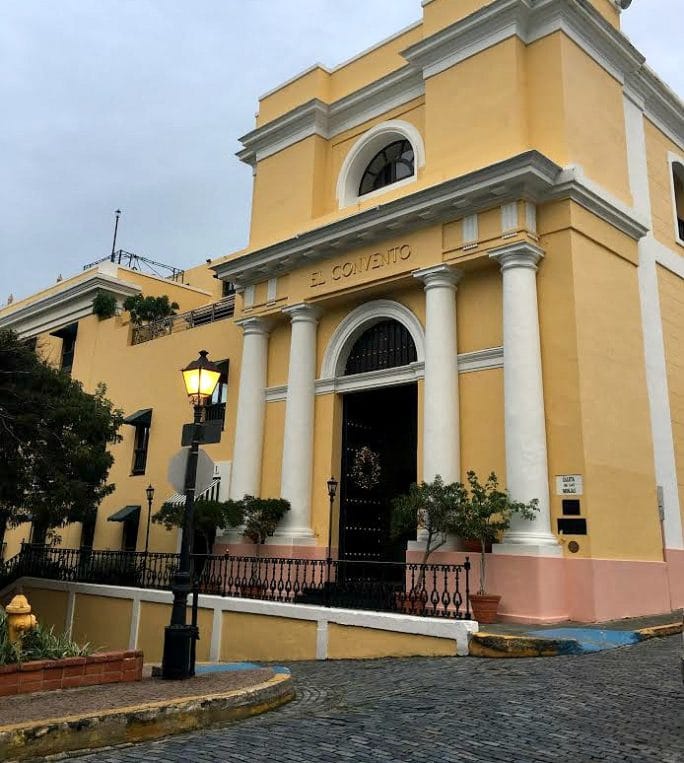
point(430, 590)
point(200, 316)
point(215, 412)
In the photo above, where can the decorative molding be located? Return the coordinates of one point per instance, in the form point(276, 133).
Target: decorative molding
point(469, 230)
point(65, 306)
point(531, 217)
point(329, 120)
point(248, 296)
point(357, 321)
point(509, 217)
point(480, 360)
point(530, 175)
point(467, 362)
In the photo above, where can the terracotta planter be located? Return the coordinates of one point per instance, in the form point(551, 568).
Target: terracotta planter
point(484, 607)
point(473, 546)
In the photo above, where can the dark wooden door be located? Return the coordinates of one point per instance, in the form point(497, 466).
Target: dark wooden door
point(379, 452)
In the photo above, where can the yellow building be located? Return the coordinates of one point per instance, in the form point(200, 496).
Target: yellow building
point(466, 252)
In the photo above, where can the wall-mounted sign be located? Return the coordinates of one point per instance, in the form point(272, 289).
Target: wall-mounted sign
point(569, 484)
point(365, 263)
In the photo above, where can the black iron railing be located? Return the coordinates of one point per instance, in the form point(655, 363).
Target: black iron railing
point(215, 412)
point(431, 590)
point(217, 311)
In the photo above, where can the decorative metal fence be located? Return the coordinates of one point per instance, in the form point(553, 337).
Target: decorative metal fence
point(430, 590)
point(217, 311)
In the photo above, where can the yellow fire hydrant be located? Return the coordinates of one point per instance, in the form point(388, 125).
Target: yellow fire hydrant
point(19, 618)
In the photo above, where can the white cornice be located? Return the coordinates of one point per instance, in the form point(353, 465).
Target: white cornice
point(530, 176)
point(66, 306)
point(328, 120)
point(529, 20)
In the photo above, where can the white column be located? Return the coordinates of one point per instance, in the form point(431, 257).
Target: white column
point(441, 452)
point(251, 410)
point(298, 438)
point(525, 427)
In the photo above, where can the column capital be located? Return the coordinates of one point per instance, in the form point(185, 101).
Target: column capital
point(521, 254)
point(439, 275)
point(254, 326)
point(303, 312)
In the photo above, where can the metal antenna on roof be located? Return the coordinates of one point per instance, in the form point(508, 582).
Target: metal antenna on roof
point(116, 228)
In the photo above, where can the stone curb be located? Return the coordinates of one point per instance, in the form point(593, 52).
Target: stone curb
point(138, 723)
point(484, 644)
point(659, 631)
point(499, 645)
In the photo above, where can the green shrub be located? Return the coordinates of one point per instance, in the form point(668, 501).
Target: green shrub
point(42, 643)
point(104, 305)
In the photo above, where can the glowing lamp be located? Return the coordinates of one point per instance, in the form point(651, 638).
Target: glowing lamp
point(200, 379)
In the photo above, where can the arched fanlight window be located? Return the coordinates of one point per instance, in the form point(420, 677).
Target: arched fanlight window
point(392, 163)
point(386, 344)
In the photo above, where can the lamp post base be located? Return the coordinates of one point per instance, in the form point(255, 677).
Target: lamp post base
point(177, 662)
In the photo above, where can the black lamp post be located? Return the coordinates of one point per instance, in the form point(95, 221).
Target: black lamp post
point(332, 491)
point(149, 490)
point(200, 378)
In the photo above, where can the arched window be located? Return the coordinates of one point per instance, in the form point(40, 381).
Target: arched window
point(386, 344)
point(678, 184)
point(391, 152)
point(390, 164)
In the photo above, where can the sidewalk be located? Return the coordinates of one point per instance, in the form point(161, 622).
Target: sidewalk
point(516, 640)
point(48, 723)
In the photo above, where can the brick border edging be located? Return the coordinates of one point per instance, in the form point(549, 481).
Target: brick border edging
point(70, 672)
point(29, 741)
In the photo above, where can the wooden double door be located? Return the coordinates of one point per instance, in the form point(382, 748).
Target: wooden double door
point(379, 455)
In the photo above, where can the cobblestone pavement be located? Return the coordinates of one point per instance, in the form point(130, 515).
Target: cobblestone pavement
point(622, 705)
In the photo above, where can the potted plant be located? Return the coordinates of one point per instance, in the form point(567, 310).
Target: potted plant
point(433, 508)
point(151, 312)
point(104, 305)
point(484, 513)
point(261, 517)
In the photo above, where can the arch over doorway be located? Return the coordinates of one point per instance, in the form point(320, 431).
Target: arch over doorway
point(360, 320)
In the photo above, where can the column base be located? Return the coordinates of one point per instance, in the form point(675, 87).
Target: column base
point(293, 536)
point(527, 549)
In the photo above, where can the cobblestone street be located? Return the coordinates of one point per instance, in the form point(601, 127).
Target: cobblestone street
point(621, 705)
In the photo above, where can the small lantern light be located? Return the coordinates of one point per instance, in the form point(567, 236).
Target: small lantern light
point(150, 493)
point(332, 488)
point(200, 378)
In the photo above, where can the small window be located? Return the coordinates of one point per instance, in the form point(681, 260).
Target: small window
point(391, 164)
point(129, 534)
point(227, 289)
point(678, 184)
point(68, 337)
point(141, 443)
point(216, 410)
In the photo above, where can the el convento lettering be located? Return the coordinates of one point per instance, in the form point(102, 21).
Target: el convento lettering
point(362, 264)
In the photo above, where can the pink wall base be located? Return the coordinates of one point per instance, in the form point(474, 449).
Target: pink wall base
point(539, 589)
point(675, 572)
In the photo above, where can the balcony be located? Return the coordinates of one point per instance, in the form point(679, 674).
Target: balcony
point(139, 461)
point(200, 316)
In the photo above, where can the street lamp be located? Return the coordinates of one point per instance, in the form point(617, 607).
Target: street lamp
point(200, 378)
point(332, 491)
point(149, 490)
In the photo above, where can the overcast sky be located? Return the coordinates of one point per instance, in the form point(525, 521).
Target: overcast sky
point(138, 104)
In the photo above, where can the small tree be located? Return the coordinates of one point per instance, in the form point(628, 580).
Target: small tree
point(149, 310)
point(261, 517)
point(432, 507)
point(485, 512)
point(208, 517)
